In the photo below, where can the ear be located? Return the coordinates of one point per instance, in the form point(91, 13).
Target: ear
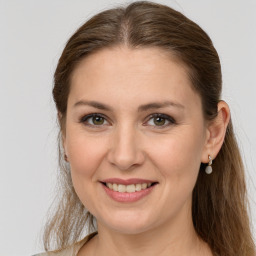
point(64, 145)
point(62, 134)
point(216, 130)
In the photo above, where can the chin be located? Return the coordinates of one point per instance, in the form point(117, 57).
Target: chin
point(128, 229)
point(129, 224)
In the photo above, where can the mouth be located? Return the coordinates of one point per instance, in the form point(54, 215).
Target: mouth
point(130, 188)
point(128, 191)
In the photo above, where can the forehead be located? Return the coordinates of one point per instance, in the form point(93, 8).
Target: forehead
point(145, 73)
point(145, 59)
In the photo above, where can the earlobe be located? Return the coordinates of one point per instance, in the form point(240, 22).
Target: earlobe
point(64, 147)
point(216, 131)
point(63, 136)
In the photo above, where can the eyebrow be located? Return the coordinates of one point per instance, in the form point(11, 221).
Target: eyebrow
point(153, 105)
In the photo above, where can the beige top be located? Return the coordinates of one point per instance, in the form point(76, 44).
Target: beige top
point(71, 250)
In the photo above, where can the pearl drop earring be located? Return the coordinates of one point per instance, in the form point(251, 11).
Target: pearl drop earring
point(208, 169)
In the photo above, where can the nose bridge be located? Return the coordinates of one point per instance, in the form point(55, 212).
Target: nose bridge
point(125, 150)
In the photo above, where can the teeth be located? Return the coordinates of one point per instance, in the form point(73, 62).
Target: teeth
point(115, 188)
point(128, 188)
point(110, 185)
point(121, 188)
point(138, 187)
point(144, 185)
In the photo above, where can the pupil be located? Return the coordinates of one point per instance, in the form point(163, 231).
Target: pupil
point(159, 121)
point(97, 120)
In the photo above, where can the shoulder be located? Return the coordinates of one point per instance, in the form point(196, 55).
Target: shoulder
point(65, 252)
point(69, 251)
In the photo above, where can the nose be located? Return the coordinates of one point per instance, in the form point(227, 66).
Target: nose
point(126, 150)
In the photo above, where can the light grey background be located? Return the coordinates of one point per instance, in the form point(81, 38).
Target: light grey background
point(33, 34)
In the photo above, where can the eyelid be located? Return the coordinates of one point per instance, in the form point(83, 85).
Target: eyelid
point(84, 119)
point(170, 119)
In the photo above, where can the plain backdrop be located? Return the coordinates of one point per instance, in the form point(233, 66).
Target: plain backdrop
point(33, 34)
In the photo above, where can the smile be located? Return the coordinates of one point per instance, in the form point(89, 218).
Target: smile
point(128, 188)
point(128, 191)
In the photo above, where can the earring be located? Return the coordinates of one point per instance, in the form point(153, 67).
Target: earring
point(208, 169)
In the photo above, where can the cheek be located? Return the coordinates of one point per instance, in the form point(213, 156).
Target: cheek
point(179, 155)
point(85, 157)
point(85, 154)
point(178, 160)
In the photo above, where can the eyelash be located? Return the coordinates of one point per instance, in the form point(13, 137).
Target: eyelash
point(163, 116)
point(171, 120)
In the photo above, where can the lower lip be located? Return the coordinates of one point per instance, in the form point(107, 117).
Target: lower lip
point(127, 197)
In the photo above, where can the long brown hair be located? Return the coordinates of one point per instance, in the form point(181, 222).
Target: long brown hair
point(219, 206)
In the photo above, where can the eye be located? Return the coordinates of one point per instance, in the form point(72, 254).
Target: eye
point(94, 120)
point(161, 120)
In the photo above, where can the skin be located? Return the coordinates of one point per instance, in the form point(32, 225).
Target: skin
point(128, 143)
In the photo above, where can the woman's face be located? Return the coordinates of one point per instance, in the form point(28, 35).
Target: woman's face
point(135, 137)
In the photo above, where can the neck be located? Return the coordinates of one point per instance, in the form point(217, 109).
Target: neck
point(177, 238)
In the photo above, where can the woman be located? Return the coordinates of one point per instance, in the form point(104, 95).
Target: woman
point(150, 154)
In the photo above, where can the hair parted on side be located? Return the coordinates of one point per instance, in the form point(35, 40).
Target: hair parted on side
point(219, 205)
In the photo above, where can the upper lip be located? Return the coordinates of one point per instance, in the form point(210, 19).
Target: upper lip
point(127, 181)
